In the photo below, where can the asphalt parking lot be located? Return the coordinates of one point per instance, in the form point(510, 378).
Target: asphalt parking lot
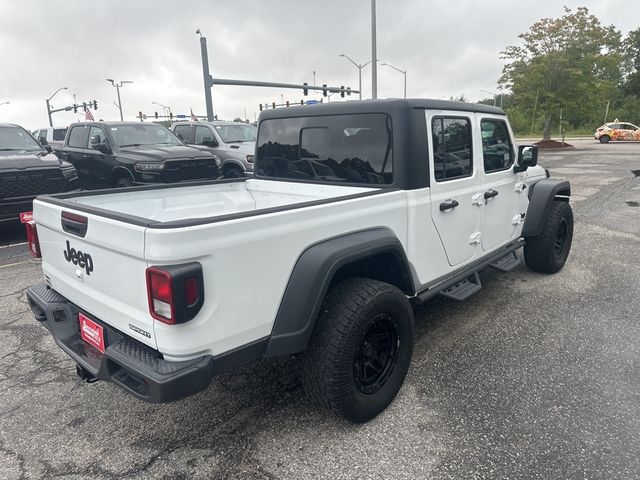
point(534, 377)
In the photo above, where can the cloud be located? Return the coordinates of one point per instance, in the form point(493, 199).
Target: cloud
point(447, 48)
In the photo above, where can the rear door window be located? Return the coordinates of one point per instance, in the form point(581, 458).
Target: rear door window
point(79, 136)
point(452, 152)
point(59, 133)
point(185, 133)
point(330, 149)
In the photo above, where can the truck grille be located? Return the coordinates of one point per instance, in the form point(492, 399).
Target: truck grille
point(31, 183)
point(198, 168)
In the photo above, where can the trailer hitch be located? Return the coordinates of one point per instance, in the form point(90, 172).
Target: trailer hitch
point(85, 374)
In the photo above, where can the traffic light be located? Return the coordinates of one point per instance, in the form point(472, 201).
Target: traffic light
point(324, 89)
point(342, 91)
point(156, 114)
point(301, 102)
point(95, 104)
point(260, 107)
point(75, 108)
point(84, 106)
point(305, 91)
point(287, 103)
point(170, 115)
point(349, 91)
point(140, 115)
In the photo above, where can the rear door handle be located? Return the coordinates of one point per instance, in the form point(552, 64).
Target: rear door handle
point(448, 205)
point(490, 194)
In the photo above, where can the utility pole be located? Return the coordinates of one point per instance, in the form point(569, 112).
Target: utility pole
point(206, 75)
point(374, 55)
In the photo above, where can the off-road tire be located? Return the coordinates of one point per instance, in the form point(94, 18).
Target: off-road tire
point(124, 182)
point(548, 252)
point(604, 138)
point(352, 310)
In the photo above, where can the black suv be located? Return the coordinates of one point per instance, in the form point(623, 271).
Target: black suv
point(28, 169)
point(121, 154)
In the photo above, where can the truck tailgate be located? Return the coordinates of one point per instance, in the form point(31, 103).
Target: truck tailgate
point(102, 272)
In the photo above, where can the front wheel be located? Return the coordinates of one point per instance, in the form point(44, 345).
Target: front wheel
point(124, 182)
point(604, 139)
point(548, 252)
point(361, 349)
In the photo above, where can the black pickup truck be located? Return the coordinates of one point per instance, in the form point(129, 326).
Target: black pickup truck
point(121, 154)
point(28, 169)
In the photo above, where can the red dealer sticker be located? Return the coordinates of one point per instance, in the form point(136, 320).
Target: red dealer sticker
point(91, 332)
point(26, 217)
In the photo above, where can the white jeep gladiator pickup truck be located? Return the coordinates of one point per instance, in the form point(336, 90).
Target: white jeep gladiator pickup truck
point(357, 214)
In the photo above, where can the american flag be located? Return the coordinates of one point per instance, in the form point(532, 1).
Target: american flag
point(88, 116)
point(193, 116)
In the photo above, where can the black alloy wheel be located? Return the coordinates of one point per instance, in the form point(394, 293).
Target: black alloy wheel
point(376, 355)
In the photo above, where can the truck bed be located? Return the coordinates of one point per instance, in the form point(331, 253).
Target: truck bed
point(184, 202)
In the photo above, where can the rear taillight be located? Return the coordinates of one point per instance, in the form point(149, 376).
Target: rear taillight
point(32, 239)
point(175, 292)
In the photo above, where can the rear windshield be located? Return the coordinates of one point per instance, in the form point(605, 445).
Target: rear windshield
point(330, 149)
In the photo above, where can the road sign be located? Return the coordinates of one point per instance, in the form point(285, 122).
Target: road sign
point(311, 102)
point(181, 116)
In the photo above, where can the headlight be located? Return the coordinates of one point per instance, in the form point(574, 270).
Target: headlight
point(149, 167)
point(69, 173)
point(250, 158)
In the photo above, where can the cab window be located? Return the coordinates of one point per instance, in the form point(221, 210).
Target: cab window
point(204, 136)
point(497, 150)
point(96, 136)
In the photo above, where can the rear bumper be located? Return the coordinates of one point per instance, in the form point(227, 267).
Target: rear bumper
point(137, 368)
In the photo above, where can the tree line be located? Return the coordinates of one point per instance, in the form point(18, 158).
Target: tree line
point(571, 72)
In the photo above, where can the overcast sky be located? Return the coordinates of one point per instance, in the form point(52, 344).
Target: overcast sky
point(447, 48)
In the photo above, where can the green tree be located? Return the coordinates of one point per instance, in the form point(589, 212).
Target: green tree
point(571, 63)
point(632, 63)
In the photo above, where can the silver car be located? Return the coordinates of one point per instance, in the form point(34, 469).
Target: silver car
point(233, 142)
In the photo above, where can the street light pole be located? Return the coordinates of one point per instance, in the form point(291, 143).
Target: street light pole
point(492, 94)
point(404, 72)
point(374, 55)
point(359, 67)
point(118, 85)
point(49, 107)
point(606, 112)
point(166, 108)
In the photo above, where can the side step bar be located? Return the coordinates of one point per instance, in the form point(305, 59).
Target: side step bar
point(506, 263)
point(457, 284)
point(464, 289)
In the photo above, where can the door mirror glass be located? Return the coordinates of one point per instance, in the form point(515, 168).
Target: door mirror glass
point(527, 157)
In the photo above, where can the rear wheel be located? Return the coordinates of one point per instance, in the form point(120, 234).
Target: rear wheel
point(548, 252)
point(604, 139)
point(361, 349)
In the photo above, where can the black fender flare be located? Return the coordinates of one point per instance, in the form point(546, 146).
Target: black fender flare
point(541, 196)
point(312, 275)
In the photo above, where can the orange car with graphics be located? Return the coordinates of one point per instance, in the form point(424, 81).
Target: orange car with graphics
point(618, 131)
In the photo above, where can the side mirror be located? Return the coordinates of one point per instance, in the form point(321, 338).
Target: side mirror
point(43, 141)
point(180, 136)
point(209, 142)
point(527, 157)
point(101, 147)
point(47, 147)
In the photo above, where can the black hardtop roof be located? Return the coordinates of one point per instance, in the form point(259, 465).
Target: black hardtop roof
point(391, 105)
